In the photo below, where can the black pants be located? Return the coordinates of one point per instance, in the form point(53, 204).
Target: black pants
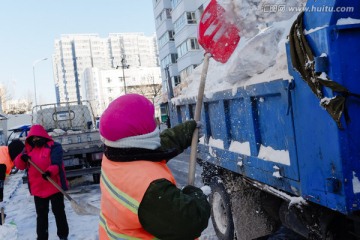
point(42, 210)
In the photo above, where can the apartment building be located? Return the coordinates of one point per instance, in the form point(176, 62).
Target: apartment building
point(176, 23)
point(103, 86)
point(74, 53)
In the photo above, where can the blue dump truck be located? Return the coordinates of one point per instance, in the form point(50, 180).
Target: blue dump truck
point(290, 148)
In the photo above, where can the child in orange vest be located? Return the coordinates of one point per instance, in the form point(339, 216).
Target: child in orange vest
point(7, 156)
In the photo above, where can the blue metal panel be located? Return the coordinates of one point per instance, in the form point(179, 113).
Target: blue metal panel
point(237, 121)
point(230, 160)
point(318, 148)
point(327, 12)
point(217, 128)
point(257, 116)
point(272, 126)
point(329, 157)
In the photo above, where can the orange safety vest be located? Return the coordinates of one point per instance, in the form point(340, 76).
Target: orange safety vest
point(123, 185)
point(5, 159)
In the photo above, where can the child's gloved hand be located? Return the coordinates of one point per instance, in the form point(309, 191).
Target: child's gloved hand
point(25, 157)
point(46, 174)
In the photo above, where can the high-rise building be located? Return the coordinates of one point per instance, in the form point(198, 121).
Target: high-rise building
point(74, 53)
point(176, 23)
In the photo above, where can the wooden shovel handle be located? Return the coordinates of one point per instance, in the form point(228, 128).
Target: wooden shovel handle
point(51, 181)
point(195, 137)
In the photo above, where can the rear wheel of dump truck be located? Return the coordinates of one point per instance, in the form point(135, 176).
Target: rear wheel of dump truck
point(251, 221)
point(221, 215)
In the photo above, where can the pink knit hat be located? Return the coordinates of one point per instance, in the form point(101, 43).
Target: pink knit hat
point(127, 116)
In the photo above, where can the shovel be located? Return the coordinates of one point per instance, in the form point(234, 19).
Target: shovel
point(83, 209)
point(219, 39)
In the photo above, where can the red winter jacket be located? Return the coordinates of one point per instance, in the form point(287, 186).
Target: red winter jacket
point(47, 158)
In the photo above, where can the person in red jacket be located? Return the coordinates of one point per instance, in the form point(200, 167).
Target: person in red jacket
point(139, 196)
point(47, 155)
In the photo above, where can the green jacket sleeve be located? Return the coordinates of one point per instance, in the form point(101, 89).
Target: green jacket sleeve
point(178, 137)
point(173, 214)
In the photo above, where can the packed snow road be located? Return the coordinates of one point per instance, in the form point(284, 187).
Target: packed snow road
point(21, 216)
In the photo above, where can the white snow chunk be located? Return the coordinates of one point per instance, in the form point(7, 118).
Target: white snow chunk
point(323, 76)
point(238, 147)
point(325, 101)
point(278, 156)
point(346, 21)
point(206, 190)
point(356, 183)
point(277, 172)
point(297, 201)
point(218, 143)
point(311, 30)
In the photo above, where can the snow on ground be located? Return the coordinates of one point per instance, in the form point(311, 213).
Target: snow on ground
point(20, 211)
point(20, 222)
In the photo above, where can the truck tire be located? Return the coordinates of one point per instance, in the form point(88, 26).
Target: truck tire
point(221, 215)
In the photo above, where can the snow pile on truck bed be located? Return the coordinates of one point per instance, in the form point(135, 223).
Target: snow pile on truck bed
point(260, 55)
point(250, 15)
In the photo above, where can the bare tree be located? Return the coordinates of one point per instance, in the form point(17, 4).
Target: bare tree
point(148, 88)
point(5, 96)
point(29, 101)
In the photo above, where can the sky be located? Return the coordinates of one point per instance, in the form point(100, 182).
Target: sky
point(29, 28)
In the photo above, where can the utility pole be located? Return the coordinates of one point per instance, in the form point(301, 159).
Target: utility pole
point(169, 83)
point(34, 63)
point(123, 66)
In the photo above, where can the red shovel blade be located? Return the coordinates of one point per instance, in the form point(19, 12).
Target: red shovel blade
point(216, 35)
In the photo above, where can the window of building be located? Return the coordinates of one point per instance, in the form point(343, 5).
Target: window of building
point(201, 10)
point(165, 38)
point(177, 80)
point(174, 3)
point(187, 71)
point(174, 57)
point(186, 18)
point(191, 18)
point(171, 35)
point(165, 14)
point(168, 13)
point(171, 58)
point(179, 23)
point(190, 44)
point(193, 44)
